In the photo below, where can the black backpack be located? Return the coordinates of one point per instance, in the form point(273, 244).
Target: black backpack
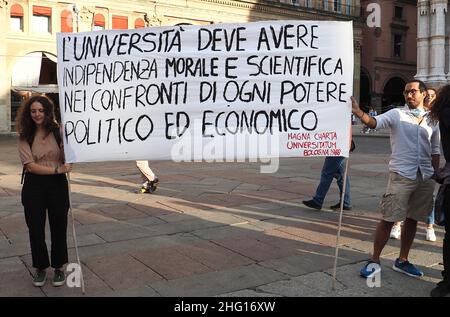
point(58, 139)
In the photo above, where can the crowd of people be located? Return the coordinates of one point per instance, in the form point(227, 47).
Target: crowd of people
point(417, 131)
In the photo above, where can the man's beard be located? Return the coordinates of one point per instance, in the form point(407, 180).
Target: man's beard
point(412, 104)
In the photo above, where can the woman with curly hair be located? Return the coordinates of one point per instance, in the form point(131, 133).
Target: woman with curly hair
point(441, 112)
point(45, 188)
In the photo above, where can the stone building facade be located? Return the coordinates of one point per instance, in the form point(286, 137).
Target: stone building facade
point(28, 32)
point(433, 31)
point(388, 54)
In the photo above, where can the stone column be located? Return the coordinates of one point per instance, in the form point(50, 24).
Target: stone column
point(423, 40)
point(437, 56)
point(5, 89)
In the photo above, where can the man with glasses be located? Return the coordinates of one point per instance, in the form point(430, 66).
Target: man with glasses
point(409, 194)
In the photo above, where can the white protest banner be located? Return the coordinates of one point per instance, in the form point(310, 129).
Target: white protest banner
point(225, 91)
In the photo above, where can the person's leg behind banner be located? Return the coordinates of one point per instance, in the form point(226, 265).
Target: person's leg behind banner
point(150, 181)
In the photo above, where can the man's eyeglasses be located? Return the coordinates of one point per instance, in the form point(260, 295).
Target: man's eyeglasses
point(411, 91)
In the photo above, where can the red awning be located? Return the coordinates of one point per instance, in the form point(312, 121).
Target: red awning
point(66, 21)
point(119, 22)
point(45, 11)
point(16, 10)
point(99, 20)
point(139, 23)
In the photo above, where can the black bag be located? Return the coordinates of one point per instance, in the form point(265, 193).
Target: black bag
point(439, 205)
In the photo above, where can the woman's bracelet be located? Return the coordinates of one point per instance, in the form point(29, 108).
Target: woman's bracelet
point(362, 115)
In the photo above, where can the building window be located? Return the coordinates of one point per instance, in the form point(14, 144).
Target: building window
point(348, 7)
point(337, 6)
point(119, 22)
point(139, 23)
point(16, 24)
point(99, 22)
point(398, 45)
point(398, 12)
point(16, 18)
point(325, 4)
point(66, 21)
point(41, 20)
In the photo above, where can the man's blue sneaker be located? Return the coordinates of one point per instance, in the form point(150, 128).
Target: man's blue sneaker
point(370, 269)
point(407, 268)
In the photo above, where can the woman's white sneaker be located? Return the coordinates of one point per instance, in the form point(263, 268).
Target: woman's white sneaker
point(431, 236)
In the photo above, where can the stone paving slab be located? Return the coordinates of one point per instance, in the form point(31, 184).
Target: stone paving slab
point(300, 264)
point(122, 271)
point(84, 240)
point(215, 283)
point(296, 287)
point(253, 248)
point(224, 232)
point(129, 233)
point(89, 216)
point(134, 245)
point(10, 250)
point(16, 286)
point(169, 263)
point(213, 256)
point(147, 221)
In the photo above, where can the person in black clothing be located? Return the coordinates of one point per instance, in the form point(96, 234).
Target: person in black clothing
point(45, 188)
point(441, 112)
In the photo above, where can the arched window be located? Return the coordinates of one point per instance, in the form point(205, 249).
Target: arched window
point(16, 16)
point(99, 22)
point(66, 21)
point(119, 22)
point(139, 23)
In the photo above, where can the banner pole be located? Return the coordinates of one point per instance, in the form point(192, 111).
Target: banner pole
point(74, 234)
point(340, 224)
